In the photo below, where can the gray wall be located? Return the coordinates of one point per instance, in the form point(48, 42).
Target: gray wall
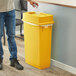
point(64, 32)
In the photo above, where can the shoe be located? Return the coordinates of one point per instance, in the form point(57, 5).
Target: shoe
point(1, 66)
point(16, 64)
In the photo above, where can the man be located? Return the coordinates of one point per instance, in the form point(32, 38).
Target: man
point(7, 17)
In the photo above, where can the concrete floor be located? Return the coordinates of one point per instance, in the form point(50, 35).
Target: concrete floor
point(28, 70)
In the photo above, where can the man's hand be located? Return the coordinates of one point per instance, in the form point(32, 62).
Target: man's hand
point(33, 3)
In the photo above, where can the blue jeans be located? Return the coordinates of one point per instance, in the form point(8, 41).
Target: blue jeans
point(8, 20)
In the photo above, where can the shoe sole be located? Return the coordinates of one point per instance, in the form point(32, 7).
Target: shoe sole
point(16, 67)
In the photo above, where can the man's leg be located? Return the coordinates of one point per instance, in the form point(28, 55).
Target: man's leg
point(10, 23)
point(1, 34)
point(10, 31)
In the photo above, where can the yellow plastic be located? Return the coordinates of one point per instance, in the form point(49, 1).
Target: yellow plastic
point(37, 39)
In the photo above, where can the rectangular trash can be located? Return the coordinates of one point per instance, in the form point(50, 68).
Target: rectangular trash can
point(37, 38)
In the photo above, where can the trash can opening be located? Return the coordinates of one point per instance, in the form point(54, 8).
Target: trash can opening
point(32, 12)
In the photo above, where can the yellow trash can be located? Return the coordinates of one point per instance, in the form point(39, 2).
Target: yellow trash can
point(37, 37)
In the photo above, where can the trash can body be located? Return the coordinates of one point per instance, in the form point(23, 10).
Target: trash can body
point(37, 37)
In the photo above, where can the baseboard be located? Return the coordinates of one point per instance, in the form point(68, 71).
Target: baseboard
point(63, 66)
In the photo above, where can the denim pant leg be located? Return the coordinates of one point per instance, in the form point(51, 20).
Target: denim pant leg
point(10, 23)
point(1, 33)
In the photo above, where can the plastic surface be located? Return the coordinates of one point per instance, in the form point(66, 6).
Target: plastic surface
point(40, 19)
point(38, 40)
